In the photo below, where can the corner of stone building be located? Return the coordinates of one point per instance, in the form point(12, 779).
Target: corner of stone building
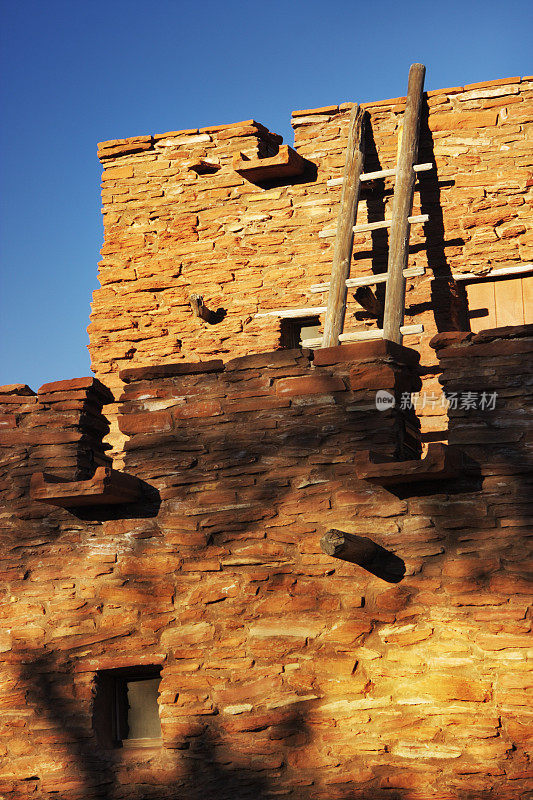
point(58, 430)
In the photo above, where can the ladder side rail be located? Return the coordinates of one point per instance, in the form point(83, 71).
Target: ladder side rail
point(402, 206)
point(342, 256)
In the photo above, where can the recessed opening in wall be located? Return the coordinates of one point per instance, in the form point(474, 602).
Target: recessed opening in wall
point(204, 167)
point(125, 710)
point(294, 331)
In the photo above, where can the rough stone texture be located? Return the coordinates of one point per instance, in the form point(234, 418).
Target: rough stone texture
point(285, 673)
point(173, 229)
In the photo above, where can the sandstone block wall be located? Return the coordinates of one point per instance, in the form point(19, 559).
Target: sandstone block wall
point(285, 673)
point(179, 220)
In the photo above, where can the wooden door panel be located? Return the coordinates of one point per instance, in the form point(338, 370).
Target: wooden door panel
point(527, 296)
point(481, 306)
point(509, 302)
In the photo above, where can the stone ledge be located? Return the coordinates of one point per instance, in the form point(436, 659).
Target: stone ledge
point(286, 164)
point(274, 358)
point(509, 332)
point(89, 384)
point(366, 351)
point(106, 487)
point(137, 144)
point(454, 343)
point(134, 374)
point(441, 462)
point(486, 84)
point(20, 389)
point(449, 338)
point(121, 147)
point(304, 112)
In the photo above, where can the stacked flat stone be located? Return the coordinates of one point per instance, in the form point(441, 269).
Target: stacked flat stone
point(172, 229)
point(284, 672)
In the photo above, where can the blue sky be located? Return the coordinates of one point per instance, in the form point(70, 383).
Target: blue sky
point(75, 73)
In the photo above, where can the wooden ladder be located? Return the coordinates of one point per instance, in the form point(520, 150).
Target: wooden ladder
point(400, 223)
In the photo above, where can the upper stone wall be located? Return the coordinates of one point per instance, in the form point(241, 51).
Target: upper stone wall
point(171, 232)
point(174, 227)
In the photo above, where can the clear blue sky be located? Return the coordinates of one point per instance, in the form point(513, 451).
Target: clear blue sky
point(81, 71)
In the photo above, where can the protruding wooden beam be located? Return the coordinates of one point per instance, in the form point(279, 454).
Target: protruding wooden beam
point(336, 306)
point(349, 547)
point(402, 205)
point(368, 300)
point(293, 313)
point(364, 552)
point(492, 273)
point(200, 310)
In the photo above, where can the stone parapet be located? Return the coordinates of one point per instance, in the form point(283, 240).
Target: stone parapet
point(58, 430)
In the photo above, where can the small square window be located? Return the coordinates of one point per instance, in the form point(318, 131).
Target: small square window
point(294, 331)
point(126, 711)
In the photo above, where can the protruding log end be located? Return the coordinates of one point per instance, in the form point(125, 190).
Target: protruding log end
point(201, 311)
point(364, 552)
point(349, 547)
point(198, 307)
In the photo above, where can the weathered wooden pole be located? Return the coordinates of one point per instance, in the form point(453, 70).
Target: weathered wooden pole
point(342, 256)
point(402, 205)
point(349, 547)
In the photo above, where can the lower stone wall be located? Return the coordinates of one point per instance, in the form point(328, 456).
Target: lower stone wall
point(285, 672)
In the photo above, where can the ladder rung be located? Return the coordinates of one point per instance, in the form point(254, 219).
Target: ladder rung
point(373, 226)
point(364, 336)
point(386, 223)
point(371, 280)
point(405, 329)
point(381, 173)
point(293, 312)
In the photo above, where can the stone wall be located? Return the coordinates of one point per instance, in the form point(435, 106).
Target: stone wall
point(180, 220)
point(285, 672)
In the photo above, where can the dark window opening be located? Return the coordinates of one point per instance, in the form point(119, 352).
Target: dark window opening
point(202, 167)
point(126, 711)
point(294, 331)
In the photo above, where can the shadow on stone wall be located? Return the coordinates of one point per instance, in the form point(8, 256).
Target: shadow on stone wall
point(448, 301)
point(465, 521)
